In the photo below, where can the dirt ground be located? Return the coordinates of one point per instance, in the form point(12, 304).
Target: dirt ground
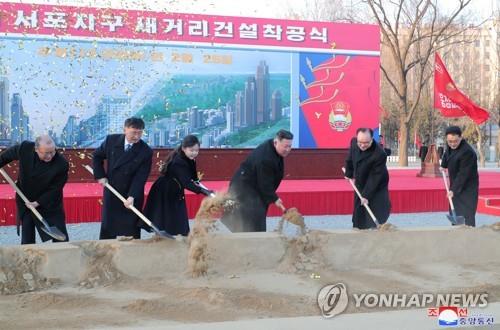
point(225, 297)
point(106, 296)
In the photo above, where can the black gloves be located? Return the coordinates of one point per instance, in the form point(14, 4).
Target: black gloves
point(207, 192)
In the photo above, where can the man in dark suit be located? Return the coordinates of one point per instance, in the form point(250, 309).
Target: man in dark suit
point(128, 165)
point(461, 161)
point(422, 152)
point(366, 164)
point(255, 183)
point(43, 172)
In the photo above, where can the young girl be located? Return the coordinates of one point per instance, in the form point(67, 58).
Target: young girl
point(166, 203)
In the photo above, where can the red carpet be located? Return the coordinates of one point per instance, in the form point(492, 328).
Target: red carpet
point(489, 204)
point(408, 193)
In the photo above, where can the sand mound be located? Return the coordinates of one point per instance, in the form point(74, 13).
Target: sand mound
point(40, 301)
point(303, 253)
point(219, 303)
point(153, 239)
point(495, 226)
point(19, 270)
point(387, 227)
point(210, 210)
point(146, 306)
point(100, 268)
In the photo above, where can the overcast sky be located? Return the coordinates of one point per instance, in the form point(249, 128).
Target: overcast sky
point(252, 8)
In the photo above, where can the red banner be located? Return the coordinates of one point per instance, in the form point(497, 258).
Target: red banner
point(183, 29)
point(450, 100)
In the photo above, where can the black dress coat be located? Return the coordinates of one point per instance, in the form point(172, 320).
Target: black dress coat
point(422, 152)
point(166, 202)
point(127, 172)
point(254, 188)
point(369, 170)
point(464, 180)
point(43, 183)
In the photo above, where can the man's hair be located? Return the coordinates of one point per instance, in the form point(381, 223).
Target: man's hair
point(284, 134)
point(453, 130)
point(134, 122)
point(44, 139)
point(364, 130)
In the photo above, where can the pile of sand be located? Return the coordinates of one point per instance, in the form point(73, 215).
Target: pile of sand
point(495, 226)
point(387, 227)
point(19, 270)
point(304, 253)
point(146, 306)
point(219, 304)
point(210, 210)
point(100, 267)
point(39, 301)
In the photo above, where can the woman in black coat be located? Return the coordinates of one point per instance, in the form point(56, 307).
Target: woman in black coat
point(166, 203)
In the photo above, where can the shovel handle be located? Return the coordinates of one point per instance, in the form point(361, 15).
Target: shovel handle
point(120, 197)
point(368, 209)
point(448, 191)
point(23, 197)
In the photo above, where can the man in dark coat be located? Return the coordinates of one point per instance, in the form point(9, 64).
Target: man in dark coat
point(43, 172)
point(461, 161)
point(128, 165)
point(366, 164)
point(255, 183)
point(422, 152)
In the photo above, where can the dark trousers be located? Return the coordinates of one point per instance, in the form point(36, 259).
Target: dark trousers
point(249, 215)
point(107, 234)
point(466, 206)
point(29, 223)
point(468, 214)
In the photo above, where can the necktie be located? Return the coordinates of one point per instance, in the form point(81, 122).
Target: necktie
point(128, 146)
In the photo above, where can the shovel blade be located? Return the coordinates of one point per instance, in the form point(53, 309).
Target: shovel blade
point(162, 233)
point(460, 220)
point(456, 220)
point(54, 232)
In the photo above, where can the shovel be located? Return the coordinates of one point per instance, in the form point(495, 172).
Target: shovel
point(204, 187)
point(368, 209)
point(158, 232)
point(53, 232)
point(454, 218)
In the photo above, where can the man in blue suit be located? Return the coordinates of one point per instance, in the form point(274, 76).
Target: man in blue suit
point(128, 165)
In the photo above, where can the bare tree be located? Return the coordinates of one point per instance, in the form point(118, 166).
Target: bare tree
point(411, 32)
point(495, 64)
point(329, 11)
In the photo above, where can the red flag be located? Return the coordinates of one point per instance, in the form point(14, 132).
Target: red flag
point(417, 141)
point(450, 100)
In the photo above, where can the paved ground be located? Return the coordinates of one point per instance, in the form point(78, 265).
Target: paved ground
point(90, 231)
point(415, 319)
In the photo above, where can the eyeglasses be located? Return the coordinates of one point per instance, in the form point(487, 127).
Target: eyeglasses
point(47, 153)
